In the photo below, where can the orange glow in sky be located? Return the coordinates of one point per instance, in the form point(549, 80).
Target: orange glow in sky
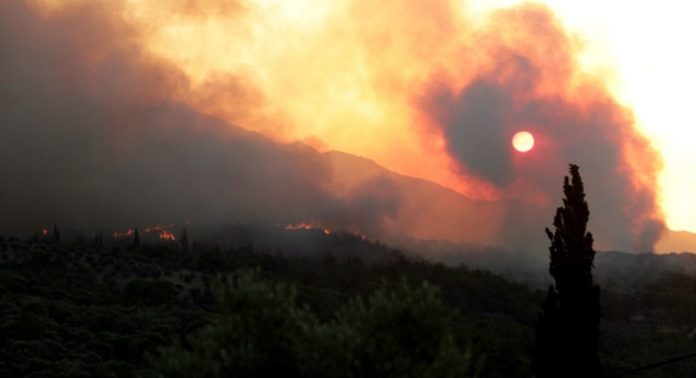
point(651, 70)
point(330, 74)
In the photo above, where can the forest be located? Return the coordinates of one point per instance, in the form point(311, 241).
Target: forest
point(80, 308)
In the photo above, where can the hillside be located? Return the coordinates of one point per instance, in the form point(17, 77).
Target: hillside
point(677, 241)
point(75, 308)
point(80, 309)
point(423, 210)
point(629, 269)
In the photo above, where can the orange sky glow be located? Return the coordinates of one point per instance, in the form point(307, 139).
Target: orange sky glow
point(334, 76)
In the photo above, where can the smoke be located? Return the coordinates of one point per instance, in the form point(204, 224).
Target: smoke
point(124, 113)
point(94, 136)
point(572, 118)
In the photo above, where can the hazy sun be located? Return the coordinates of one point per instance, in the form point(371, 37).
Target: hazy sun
point(523, 141)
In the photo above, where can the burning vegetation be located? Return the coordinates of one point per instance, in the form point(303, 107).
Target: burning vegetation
point(162, 232)
point(308, 226)
point(123, 234)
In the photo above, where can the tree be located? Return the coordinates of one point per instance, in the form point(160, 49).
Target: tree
point(567, 333)
point(265, 331)
point(136, 239)
point(56, 233)
point(407, 331)
point(183, 239)
point(99, 239)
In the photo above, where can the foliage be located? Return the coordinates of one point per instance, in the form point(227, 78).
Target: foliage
point(567, 337)
point(71, 309)
point(84, 309)
point(263, 331)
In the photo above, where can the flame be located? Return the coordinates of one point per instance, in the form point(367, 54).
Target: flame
point(44, 231)
point(123, 234)
point(163, 232)
point(308, 226)
point(166, 235)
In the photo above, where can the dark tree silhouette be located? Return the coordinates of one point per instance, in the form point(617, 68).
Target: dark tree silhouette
point(567, 334)
point(136, 239)
point(183, 239)
point(56, 233)
point(99, 239)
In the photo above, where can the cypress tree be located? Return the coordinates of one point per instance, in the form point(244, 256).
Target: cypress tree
point(99, 239)
point(56, 233)
point(183, 239)
point(136, 239)
point(567, 333)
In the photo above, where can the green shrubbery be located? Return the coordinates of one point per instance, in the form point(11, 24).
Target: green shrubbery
point(79, 309)
point(263, 331)
point(71, 309)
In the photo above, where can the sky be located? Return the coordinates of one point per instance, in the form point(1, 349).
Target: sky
point(246, 96)
point(638, 50)
point(642, 49)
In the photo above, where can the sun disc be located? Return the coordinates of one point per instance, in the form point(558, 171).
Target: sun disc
point(523, 141)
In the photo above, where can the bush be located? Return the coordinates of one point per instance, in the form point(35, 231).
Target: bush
point(406, 332)
point(263, 331)
point(150, 292)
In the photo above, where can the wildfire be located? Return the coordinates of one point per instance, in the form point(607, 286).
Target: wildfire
point(123, 234)
point(400, 95)
point(166, 235)
point(308, 226)
point(162, 231)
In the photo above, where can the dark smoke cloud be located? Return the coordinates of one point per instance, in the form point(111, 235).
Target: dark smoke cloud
point(476, 129)
point(93, 137)
point(479, 121)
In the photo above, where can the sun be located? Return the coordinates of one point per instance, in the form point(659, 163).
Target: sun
point(523, 141)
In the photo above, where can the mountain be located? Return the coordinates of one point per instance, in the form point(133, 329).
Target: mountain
point(676, 241)
point(418, 209)
point(629, 270)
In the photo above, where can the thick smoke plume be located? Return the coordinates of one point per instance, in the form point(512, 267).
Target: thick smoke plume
point(124, 113)
point(93, 137)
point(532, 84)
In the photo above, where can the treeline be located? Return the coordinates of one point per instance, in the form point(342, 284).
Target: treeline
point(75, 309)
